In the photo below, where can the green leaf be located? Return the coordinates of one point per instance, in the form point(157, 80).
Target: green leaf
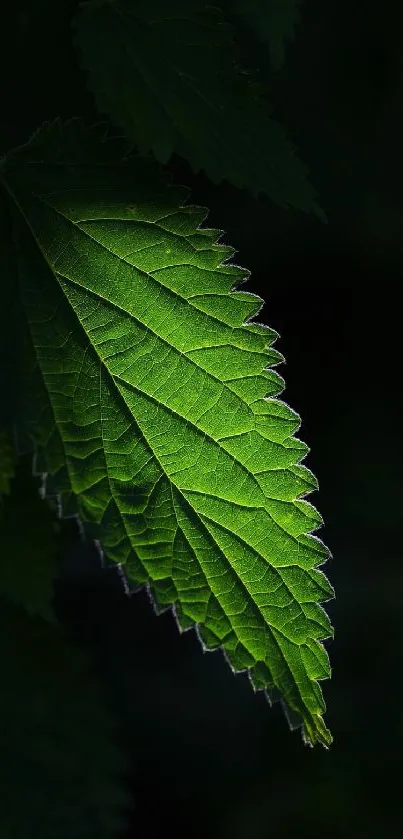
point(169, 77)
point(158, 410)
point(273, 21)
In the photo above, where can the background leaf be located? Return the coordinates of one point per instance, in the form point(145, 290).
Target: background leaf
point(62, 766)
point(28, 541)
point(273, 21)
point(170, 77)
point(7, 463)
point(156, 383)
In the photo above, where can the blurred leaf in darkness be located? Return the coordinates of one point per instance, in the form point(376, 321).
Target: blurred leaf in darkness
point(9, 312)
point(340, 96)
point(62, 768)
point(273, 21)
point(28, 530)
point(7, 464)
point(39, 76)
point(173, 82)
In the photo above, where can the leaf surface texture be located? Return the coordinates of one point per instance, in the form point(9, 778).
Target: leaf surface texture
point(155, 399)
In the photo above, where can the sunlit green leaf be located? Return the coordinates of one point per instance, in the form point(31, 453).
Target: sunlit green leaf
point(159, 414)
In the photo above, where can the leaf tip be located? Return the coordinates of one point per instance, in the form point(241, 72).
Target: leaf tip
point(315, 732)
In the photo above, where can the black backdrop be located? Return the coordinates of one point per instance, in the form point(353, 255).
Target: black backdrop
point(210, 758)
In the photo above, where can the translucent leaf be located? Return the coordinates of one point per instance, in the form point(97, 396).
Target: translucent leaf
point(154, 415)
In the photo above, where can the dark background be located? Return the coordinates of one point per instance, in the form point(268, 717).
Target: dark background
point(208, 757)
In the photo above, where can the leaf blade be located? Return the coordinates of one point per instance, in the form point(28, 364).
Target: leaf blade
point(176, 470)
